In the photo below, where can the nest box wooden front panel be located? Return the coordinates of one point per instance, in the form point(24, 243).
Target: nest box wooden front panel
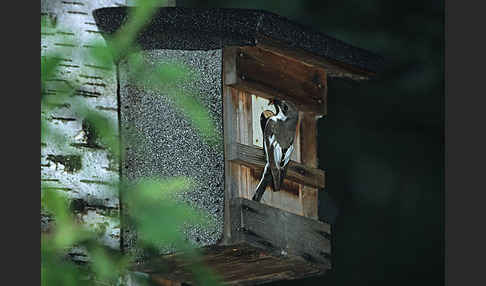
point(252, 75)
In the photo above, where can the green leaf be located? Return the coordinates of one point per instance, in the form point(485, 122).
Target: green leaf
point(67, 232)
point(49, 65)
point(103, 55)
point(152, 204)
point(108, 265)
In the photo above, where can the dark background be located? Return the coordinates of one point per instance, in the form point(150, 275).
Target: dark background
point(382, 143)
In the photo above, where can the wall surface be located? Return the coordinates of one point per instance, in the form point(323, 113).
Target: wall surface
point(78, 165)
point(160, 140)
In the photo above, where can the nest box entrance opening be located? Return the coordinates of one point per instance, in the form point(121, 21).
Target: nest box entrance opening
point(245, 57)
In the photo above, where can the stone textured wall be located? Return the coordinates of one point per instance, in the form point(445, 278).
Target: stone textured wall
point(160, 140)
point(78, 165)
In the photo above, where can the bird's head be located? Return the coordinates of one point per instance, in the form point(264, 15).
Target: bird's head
point(287, 107)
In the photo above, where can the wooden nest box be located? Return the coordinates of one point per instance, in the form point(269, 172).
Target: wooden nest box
point(258, 56)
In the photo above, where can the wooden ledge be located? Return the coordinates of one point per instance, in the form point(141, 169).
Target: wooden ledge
point(275, 230)
point(239, 264)
point(254, 157)
point(269, 245)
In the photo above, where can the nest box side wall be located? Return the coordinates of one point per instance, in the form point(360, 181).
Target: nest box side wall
point(160, 141)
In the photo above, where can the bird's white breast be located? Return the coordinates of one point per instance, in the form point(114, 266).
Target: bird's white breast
point(280, 116)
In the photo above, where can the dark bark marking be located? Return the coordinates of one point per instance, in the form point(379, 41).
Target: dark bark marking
point(72, 163)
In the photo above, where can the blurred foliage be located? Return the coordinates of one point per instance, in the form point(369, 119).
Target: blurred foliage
point(150, 199)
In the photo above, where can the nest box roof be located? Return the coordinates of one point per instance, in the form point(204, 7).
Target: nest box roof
point(205, 29)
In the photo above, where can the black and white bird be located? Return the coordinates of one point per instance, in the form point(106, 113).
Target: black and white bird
point(278, 144)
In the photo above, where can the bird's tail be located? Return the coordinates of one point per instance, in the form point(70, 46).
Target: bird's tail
point(278, 179)
point(260, 190)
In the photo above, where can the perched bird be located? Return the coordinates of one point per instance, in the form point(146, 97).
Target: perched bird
point(278, 142)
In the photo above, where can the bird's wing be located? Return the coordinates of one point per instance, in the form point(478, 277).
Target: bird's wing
point(288, 153)
point(284, 163)
point(277, 153)
point(273, 152)
point(266, 114)
point(281, 158)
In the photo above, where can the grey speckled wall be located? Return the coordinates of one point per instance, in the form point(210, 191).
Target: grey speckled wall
point(168, 145)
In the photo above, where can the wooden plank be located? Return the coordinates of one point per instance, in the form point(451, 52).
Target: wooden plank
point(333, 68)
point(281, 231)
point(308, 142)
point(230, 75)
point(159, 280)
point(254, 157)
point(270, 75)
point(245, 130)
point(240, 264)
point(296, 155)
point(230, 134)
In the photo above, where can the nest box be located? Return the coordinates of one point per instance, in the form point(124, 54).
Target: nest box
point(242, 58)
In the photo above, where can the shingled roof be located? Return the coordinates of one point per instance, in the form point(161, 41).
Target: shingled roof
point(181, 28)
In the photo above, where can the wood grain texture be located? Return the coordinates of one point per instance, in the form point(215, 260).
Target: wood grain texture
point(278, 230)
point(254, 157)
point(245, 130)
point(240, 264)
point(308, 141)
point(231, 135)
point(270, 75)
point(160, 280)
point(333, 68)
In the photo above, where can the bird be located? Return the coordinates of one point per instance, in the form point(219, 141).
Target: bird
point(278, 141)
